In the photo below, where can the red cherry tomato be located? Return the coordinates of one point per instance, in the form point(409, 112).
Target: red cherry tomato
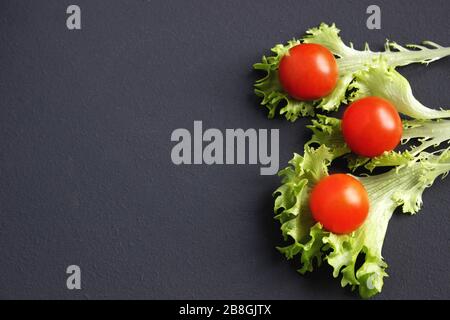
point(340, 203)
point(371, 126)
point(308, 72)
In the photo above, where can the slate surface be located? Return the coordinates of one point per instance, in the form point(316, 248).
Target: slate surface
point(86, 176)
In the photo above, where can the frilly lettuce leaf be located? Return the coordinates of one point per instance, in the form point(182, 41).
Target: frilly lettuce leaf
point(385, 82)
point(349, 61)
point(426, 133)
point(292, 209)
point(313, 245)
point(327, 131)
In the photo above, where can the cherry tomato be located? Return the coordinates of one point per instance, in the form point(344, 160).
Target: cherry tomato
point(308, 72)
point(371, 126)
point(340, 203)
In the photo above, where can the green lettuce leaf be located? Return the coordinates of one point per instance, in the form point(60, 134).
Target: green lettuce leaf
point(312, 245)
point(385, 82)
point(425, 134)
point(291, 205)
point(327, 131)
point(350, 61)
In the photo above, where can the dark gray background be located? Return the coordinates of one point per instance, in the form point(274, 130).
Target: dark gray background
point(86, 176)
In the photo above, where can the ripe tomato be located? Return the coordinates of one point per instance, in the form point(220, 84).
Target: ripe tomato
point(340, 203)
point(371, 126)
point(308, 72)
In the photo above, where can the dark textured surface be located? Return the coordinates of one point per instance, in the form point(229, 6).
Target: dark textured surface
point(86, 176)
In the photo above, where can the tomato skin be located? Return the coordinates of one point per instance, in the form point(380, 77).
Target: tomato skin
point(340, 203)
point(308, 72)
point(371, 126)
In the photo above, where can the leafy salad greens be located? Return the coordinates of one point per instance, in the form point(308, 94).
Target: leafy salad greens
point(351, 62)
point(399, 187)
point(427, 133)
point(362, 73)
